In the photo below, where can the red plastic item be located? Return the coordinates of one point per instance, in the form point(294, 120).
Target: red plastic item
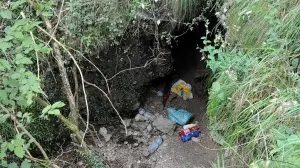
point(188, 131)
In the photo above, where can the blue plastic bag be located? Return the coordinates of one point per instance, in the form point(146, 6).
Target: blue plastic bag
point(179, 116)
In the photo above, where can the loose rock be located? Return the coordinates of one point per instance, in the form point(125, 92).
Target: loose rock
point(146, 153)
point(164, 125)
point(127, 122)
point(140, 117)
point(136, 133)
point(103, 132)
point(142, 140)
point(149, 128)
point(140, 126)
point(107, 137)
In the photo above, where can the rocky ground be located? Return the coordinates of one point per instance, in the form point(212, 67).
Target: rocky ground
point(118, 151)
point(132, 151)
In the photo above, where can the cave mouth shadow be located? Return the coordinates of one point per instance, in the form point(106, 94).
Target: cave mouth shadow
point(188, 64)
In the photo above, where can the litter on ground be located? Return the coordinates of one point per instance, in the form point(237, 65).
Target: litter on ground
point(189, 133)
point(179, 116)
point(182, 89)
point(155, 144)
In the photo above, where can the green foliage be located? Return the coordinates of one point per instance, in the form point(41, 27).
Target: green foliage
point(93, 24)
point(186, 10)
point(91, 160)
point(52, 109)
point(19, 85)
point(254, 99)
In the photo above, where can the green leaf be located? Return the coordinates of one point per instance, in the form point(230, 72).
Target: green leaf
point(16, 4)
point(27, 42)
point(21, 22)
point(29, 27)
point(19, 151)
point(4, 64)
point(6, 14)
point(58, 105)
point(19, 35)
point(25, 164)
point(12, 165)
point(47, 14)
point(46, 109)
point(29, 98)
point(21, 59)
point(3, 118)
point(5, 45)
point(3, 95)
point(16, 75)
point(18, 141)
point(11, 146)
point(54, 112)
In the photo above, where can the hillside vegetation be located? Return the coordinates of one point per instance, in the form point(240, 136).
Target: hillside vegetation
point(253, 107)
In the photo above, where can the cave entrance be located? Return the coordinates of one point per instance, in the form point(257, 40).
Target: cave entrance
point(188, 63)
point(189, 67)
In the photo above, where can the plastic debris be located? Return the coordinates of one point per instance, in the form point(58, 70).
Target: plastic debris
point(155, 144)
point(190, 133)
point(146, 114)
point(189, 126)
point(189, 136)
point(179, 116)
point(182, 89)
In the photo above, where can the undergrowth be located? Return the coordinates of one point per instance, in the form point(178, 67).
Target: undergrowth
point(254, 105)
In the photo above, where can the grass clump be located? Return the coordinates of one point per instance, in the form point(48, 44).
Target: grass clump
point(254, 104)
point(186, 10)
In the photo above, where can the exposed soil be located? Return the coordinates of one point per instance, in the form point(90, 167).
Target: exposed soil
point(172, 153)
point(121, 152)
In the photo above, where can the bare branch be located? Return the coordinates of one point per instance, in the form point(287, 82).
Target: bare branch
point(58, 21)
point(106, 80)
point(91, 84)
point(134, 68)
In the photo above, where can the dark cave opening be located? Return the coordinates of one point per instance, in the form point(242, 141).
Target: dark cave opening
point(188, 64)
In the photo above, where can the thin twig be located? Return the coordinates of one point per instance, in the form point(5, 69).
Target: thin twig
point(58, 20)
point(76, 85)
point(91, 84)
point(106, 80)
point(134, 68)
